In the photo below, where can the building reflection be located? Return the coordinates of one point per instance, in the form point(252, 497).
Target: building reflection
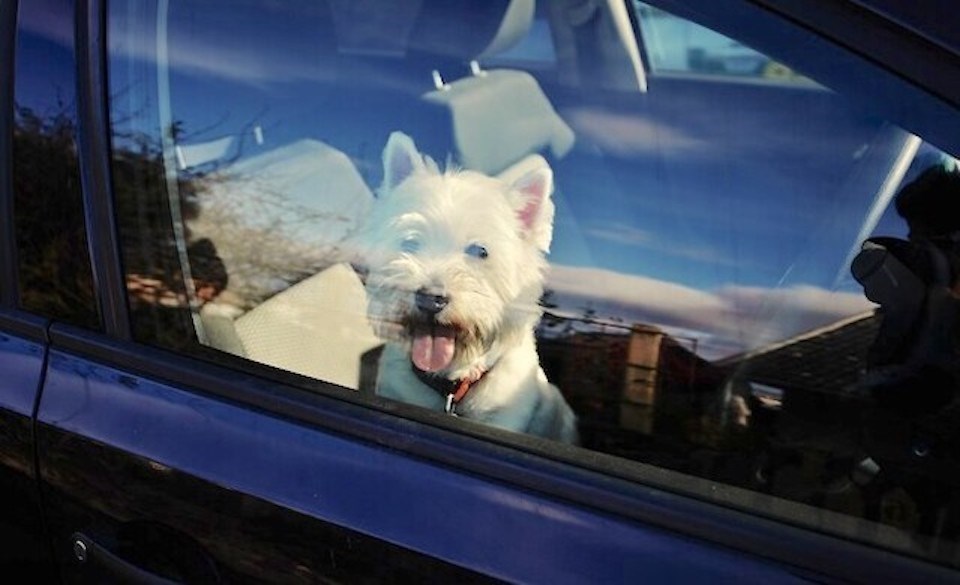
point(787, 419)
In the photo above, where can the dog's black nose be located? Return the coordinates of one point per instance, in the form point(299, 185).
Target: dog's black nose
point(430, 302)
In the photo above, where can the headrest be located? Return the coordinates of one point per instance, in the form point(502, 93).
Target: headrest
point(922, 260)
point(448, 29)
point(499, 117)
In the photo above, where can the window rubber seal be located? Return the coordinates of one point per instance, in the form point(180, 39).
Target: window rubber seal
point(8, 239)
point(93, 144)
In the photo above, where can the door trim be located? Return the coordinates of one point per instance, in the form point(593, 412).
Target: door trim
point(93, 144)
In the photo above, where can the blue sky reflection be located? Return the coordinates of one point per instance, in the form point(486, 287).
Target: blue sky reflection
point(717, 208)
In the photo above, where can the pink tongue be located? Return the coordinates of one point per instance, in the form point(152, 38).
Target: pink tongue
point(431, 353)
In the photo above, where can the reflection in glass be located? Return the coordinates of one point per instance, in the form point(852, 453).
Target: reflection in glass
point(55, 277)
point(678, 46)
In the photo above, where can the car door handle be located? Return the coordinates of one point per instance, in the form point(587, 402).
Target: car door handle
point(87, 551)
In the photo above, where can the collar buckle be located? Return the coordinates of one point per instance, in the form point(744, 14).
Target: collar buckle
point(451, 406)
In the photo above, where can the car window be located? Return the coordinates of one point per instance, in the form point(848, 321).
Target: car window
point(534, 50)
point(54, 274)
point(655, 244)
point(676, 46)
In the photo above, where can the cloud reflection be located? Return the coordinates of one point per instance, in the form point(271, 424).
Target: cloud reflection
point(244, 45)
point(49, 20)
point(724, 321)
point(632, 236)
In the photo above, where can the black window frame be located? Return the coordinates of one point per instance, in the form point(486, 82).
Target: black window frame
point(8, 241)
point(608, 487)
point(93, 145)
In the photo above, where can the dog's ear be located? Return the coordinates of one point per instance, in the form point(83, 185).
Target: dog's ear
point(400, 160)
point(531, 200)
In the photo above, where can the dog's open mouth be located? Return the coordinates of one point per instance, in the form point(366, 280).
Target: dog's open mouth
point(433, 347)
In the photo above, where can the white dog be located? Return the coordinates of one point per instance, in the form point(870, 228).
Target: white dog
point(455, 269)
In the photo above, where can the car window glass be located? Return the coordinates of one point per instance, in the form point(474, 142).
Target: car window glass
point(680, 47)
point(55, 278)
point(535, 50)
point(669, 266)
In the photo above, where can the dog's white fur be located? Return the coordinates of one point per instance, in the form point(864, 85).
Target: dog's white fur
point(478, 243)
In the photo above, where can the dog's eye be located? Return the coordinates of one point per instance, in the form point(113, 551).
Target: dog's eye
point(410, 245)
point(477, 251)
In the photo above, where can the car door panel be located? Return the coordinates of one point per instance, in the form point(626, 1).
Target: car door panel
point(271, 499)
point(21, 361)
point(22, 537)
point(122, 466)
